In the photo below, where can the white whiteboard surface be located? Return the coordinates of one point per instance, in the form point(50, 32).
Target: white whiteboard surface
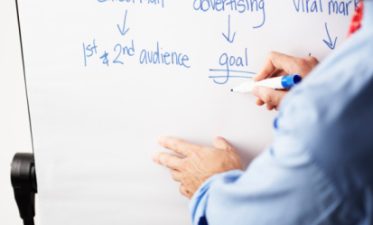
point(96, 125)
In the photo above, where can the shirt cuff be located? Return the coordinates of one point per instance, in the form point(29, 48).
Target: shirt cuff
point(199, 201)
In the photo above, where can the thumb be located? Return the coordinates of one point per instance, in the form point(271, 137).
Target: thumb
point(221, 143)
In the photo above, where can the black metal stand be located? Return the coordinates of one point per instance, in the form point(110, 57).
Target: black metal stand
point(23, 178)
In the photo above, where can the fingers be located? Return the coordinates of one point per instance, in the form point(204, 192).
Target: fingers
point(221, 143)
point(198, 163)
point(177, 145)
point(310, 62)
point(278, 64)
point(170, 161)
point(275, 63)
point(271, 107)
point(176, 175)
point(184, 191)
point(268, 96)
point(259, 102)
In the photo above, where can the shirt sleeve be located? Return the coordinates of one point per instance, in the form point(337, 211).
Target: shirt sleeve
point(286, 189)
point(322, 151)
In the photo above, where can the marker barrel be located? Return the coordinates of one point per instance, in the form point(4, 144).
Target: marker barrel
point(282, 82)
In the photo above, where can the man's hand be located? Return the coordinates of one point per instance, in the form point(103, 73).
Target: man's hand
point(279, 64)
point(191, 165)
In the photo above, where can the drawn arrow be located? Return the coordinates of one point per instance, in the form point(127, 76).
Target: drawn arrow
point(229, 36)
point(330, 43)
point(122, 29)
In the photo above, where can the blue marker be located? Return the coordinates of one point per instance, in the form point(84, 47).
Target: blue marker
point(279, 83)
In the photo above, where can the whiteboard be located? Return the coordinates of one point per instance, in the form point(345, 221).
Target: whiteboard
point(106, 78)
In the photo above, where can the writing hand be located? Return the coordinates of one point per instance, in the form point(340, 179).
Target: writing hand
point(191, 164)
point(279, 64)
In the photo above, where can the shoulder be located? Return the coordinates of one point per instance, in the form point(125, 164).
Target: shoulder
point(330, 118)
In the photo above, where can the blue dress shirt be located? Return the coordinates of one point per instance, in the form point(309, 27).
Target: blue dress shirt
point(319, 170)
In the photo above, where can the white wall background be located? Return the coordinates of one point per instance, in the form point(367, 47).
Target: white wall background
point(14, 130)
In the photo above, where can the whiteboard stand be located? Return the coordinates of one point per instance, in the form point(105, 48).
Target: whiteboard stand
point(23, 177)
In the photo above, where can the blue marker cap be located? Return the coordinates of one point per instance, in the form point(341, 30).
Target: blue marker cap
point(289, 81)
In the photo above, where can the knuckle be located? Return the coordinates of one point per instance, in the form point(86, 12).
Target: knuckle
point(266, 97)
point(272, 55)
point(229, 148)
point(302, 62)
point(302, 66)
point(276, 99)
point(313, 60)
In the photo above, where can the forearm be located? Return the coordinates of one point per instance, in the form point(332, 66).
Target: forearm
point(273, 190)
